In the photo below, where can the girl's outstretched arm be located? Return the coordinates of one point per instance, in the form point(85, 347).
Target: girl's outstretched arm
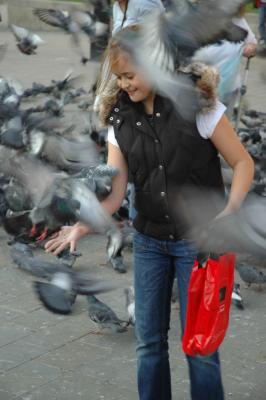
point(229, 146)
point(68, 237)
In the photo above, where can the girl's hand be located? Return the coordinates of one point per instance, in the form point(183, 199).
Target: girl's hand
point(66, 237)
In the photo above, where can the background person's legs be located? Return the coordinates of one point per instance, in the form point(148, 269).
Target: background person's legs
point(262, 23)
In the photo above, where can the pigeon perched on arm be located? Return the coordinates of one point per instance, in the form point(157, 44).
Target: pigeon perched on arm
point(104, 316)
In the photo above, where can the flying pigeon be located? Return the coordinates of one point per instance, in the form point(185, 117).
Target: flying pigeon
point(59, 293)
point(168, 40)
point(59, 198)
point(27, 42)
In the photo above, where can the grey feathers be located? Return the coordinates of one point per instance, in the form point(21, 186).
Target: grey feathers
point(104, 316)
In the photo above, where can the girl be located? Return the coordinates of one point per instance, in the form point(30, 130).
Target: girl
point(149, 143)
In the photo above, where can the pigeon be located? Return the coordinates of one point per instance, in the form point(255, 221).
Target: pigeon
point(18, 224)
point(68, 258)
point(242, 231)
point(16, 196)
point(3, 206)
point(104, 316)
point(27, 42)
point(130, 305)
point(37, 88)
point(59, 198)
point(59, 293)
point(98, 178)
point(69, 155)
point(57, 18)
point(251, 275)
point(117, 262)
point(169, 40)
point(236, 297)
point(250, 121)
point(73, 23)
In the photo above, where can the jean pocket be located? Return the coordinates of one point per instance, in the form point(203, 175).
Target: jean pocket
point(141, 242)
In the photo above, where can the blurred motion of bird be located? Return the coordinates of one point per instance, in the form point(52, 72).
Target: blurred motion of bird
point(98, 178)
point(59, 199)
point(104, 316)
point(73, 23)
point(130, 305)
point(27, 42)
point(59, 293)
point(236, 297)
point(168, 40)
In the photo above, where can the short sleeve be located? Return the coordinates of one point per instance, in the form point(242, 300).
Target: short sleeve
point(206, 123)
point(111, 136)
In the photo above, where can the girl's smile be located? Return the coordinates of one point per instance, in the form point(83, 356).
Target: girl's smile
point(130, 80)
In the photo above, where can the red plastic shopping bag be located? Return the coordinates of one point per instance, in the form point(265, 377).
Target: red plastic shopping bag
point(209, 300)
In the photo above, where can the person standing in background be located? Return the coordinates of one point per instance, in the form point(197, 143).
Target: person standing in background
point(261, 5)
point(131, 12)
point(226, 56)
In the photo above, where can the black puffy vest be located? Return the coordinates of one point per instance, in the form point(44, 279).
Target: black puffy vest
point(162, 160)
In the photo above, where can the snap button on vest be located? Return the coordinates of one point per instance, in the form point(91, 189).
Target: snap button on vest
point(171, 237)
point(138, 123)
point(156, 140)
point(116, 109)
point(111, 118)
point(163, 194)
point(160, 166)
point(118, 121)
point(158, 114)
point(166, 216)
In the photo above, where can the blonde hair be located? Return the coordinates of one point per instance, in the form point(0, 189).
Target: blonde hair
point(107, 88)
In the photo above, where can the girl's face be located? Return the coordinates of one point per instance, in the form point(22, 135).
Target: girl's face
point(130, 80)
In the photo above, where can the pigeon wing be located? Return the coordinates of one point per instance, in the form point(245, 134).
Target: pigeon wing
point(51, 17)
point(19, 32)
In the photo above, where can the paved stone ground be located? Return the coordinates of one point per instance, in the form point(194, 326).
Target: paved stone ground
point(49, 357)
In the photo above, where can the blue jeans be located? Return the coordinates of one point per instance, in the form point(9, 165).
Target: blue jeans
point(156, 263)
point(262, 21)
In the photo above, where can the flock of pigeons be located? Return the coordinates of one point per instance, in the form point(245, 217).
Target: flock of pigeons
point(51, 177)
point(95, 24)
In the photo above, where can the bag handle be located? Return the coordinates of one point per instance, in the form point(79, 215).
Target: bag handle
point(202, 257)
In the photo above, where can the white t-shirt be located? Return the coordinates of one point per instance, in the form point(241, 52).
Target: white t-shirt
point(206, 123)
point(137, 10)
